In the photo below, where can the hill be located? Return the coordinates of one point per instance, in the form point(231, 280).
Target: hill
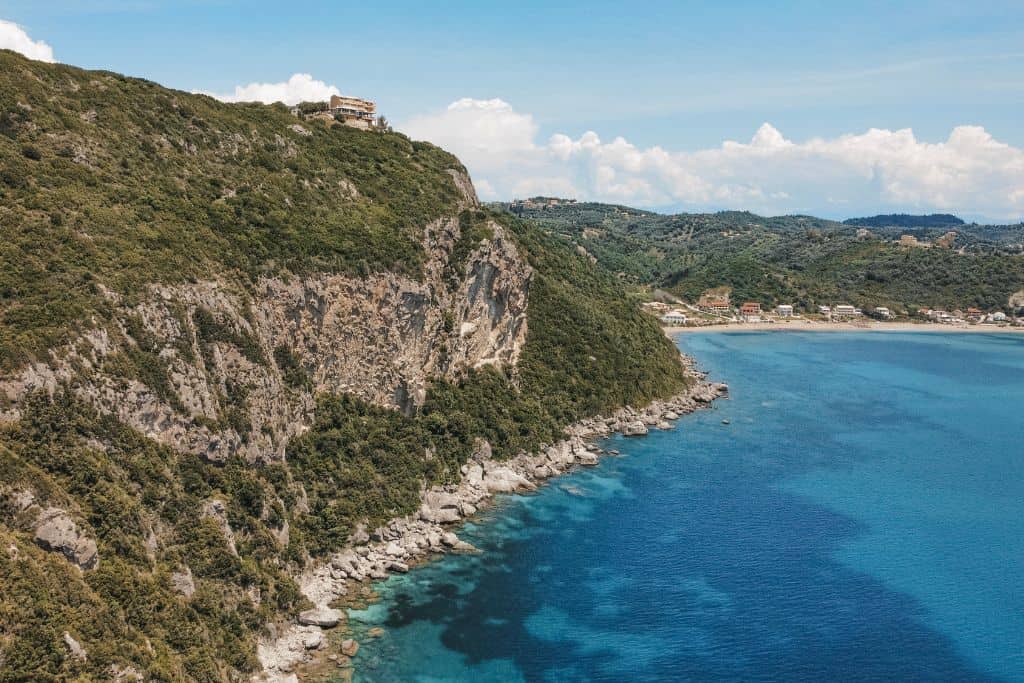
point(230, 343)
point(902, 220)
point(800, 260)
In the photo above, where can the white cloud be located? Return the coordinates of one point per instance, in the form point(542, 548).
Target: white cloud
point(14, 37)
point(879, 170)
point(298, 88)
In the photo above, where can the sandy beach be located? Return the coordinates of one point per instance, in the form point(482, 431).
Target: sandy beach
point(862, 326)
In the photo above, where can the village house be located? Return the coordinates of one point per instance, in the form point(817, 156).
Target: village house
point(974, 314)
point(824, 310)
point(784, 310)
point(845, 311)
point(674, 318)
point(883, 312)
point(751, 312)
point(997, 317)
point(718, 306)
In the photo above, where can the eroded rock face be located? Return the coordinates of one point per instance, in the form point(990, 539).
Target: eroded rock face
point(57, 532)
point(382, 338)
point(52, 528)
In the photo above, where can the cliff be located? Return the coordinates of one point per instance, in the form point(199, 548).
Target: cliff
point(232, 345)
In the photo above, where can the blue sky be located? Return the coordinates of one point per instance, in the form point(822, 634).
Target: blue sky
point(680, 76)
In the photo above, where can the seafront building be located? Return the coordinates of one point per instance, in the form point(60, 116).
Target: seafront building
point(674, 318)
point(784, 310)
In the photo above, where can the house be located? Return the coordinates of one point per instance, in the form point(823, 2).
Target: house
point(883, 312)
point(845, 311)
point(718, 306)
point(751, 312)
point(784, 310)
point(674, 318)
point(974, 314)
point(997, 317)
point(353, 111)
point(824, 310)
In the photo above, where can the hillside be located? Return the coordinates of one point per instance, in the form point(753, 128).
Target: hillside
point(801, 260)
point(230, 344)
point(903, 220)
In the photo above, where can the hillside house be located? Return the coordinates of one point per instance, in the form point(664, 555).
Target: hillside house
point(353, 111)
point(883, 312)
point(974, 314)
point(824, 310)
point(784, 310)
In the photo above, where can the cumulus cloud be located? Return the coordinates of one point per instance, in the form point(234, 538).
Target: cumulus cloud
point(879, 170)
point(298, 88)
point(14, 37)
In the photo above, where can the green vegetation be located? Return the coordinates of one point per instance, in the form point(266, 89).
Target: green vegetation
point(903, 220)
point(110, 184)
point(124, 488)
point(115, 182)
point(793, 259)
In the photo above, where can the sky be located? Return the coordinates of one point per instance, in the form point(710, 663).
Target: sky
point(835, 109)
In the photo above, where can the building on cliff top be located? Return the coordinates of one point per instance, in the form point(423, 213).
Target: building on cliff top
point(351, 111)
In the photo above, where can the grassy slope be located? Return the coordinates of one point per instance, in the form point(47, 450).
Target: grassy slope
point(792, 259)
point(140, 193)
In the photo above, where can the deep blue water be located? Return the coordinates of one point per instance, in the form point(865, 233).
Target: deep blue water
point(861, 518)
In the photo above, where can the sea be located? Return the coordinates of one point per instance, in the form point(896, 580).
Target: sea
point(854, 511)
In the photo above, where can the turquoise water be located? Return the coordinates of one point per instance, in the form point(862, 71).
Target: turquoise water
point(860, 518)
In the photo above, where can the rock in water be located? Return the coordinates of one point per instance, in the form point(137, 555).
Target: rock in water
point(349, 647)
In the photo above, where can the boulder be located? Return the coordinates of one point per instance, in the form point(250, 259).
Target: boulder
point(634, 429)
point(504, 480)
point(349, 647)
point(313, 640)
point(56, 531)
point(440, 507)
point(75, 648)
point(588, 458)
point(664, 425)
point(324, 617)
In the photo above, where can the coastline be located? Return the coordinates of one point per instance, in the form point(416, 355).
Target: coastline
point(873, 326)
point(305, 647)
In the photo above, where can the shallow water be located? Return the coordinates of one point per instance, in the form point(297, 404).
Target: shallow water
point(861, 517)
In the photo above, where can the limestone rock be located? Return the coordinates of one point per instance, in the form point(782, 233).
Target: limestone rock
point(57, 532)
point(636, 428)
point(324, 617)
point(75, 648)
point(349, 647)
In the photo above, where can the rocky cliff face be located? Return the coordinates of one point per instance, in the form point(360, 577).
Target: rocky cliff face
point(229, 372)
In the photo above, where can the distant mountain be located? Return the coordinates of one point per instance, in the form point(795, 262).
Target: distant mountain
point(904, 220)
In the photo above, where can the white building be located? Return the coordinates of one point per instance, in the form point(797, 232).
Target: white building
point(824, 310)
point(845, 310)
point(674, 318)
point(883, 312)
point(784, 310)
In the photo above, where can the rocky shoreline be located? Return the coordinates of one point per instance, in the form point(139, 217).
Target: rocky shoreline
point(404, 541)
